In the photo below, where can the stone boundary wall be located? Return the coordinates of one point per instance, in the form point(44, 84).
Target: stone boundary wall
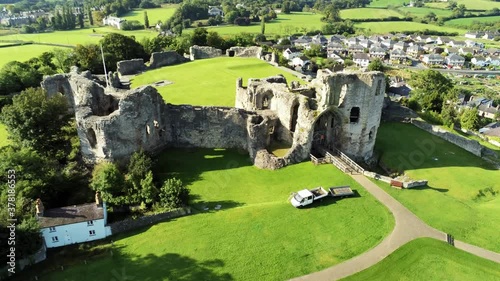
point(203, 52)
point(247, 52)
point(160, 59)
point(127, 67)
point(470, 145)
point(406, 184)
point(130, 224)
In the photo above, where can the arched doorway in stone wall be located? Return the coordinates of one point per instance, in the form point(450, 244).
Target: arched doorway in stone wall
point(326, 131)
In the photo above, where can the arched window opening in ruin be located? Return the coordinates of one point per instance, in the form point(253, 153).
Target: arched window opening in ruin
point(331, 123)
point(295, 116)
point(230, 53)
point(371, 134)
point(354, 115)
point(148, 130)
point(271, 130)
point(266, 102)
point(91, 137)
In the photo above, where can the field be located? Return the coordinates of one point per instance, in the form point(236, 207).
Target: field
point(385, 3)
point(384, 27)
point(421, 12)
point(469, 4)
point(257, 234)
point(209, 81)
point(154, 15)
point(368, 13)
point(428, 259)
point(77, 36)
point(469, 21)
point(456, 201)
point(22, 53)
point(284, 24)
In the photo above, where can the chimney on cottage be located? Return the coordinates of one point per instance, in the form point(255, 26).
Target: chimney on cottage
point(98, 199)
point(39, 207)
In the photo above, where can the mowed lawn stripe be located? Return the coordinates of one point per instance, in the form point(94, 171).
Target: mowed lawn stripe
point(207, 81)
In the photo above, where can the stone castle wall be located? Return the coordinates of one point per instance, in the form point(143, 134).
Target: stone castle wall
point(127, 67)
point(472, 146)
point(203, 52)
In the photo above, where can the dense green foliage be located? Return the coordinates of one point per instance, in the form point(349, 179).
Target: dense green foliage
point(173, 193)
point(431, 89)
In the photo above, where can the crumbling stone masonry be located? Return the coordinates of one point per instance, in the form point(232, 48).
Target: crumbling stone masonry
point(335, 110)
point(203, 52)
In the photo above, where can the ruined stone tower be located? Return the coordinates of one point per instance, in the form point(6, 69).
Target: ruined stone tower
point(339, 111)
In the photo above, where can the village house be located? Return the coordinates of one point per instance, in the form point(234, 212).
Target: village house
point(356, 49)
point(361, 59)
point(378, 52)
point(433, 59)
point(414, 51)
point(337, 38)
point(337, 48)
point(442, 40)
point(335, 57)
point(479, 61)
point(291, 53)
point(73, 224)
point(302, 41)
point(352, 41)
point(491, 52)
point(388, 43)
point(455, 60)
point(300, 61)
point(375, 39)
point(490, 35)
point(402, 46)
point(398, 55)
point(465, 51)
point(214, 11)
point(365, 43)
point(488, 110)
point(113, 21)
point(493, 60)
point(451, 50)
point(319, 40)
point(474, 34)
point(457, 44)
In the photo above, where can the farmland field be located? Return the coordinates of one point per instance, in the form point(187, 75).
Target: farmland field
point(154, 15)
point(208, 81)
point(421, 12)
point(385, 3)
point(284, 24)
point(462, 197)
point(22, 53)
point(470, 4)
point(428, 259)
point(368, 13)
point(384, 27)
point(468, 21)
point(256, 235)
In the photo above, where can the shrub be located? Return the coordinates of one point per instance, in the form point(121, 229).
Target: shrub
point(132, 25)
point(174, 194)
point(432, 117)
point(146, 4)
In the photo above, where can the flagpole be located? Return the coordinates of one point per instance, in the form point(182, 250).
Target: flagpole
point(104, 64)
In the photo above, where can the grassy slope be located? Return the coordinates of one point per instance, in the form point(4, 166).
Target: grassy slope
point(154, 15)
point(257, 235)
point(209, 81)
point(455, 178)
point(422, 11)
point(468, 21)
point(385, 3)
point(428, 259)
point(22, 53)
point(294, 22)
point(384, 27)
point(368, 13)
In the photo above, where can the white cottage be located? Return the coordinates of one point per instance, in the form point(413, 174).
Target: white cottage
point(73, 224)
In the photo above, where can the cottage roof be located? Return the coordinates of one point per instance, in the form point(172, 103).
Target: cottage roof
point(493, 132)
point(360, 56)
point(456, 57)
point(70, 215)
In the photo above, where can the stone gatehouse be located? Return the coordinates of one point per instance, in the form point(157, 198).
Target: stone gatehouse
point(335, 110)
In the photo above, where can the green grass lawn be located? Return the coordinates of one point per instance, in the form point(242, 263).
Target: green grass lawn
point(284, 24)
point(208, 81)
point(428, 259)
point(384, 27)
point(423, 11)
point(77, 36)
point(455, 178)
point(469, 21)
point(154, 15)
point(257, 234)
point(368, 13)
point(22, 53)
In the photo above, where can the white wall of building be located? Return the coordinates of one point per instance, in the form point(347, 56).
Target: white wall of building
point(75, 233)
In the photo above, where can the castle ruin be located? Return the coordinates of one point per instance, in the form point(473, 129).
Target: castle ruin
point(335, 111)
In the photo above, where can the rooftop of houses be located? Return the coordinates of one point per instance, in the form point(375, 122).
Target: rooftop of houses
point(70, 215)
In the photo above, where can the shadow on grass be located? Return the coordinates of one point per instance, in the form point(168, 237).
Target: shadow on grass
point(429, 187)
point(213, 206)
point(187, 164)
point(115, 264)
point(328, 200)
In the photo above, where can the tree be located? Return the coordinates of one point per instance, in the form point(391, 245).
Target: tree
point(449, 115)
point(231, 16)
point(88, 57)
point(90, 16)
point(146, 19)
point(80, 20)
point(376, 65)
point(470, 119)
point(215, 40)
point(35, 120)
point(332, 14)
point(431, 87)
point(119, 47)
point(285, 9)
point(109, 181)
point(148, 191)
point(199, 37)
point(262, 26)
point(173, 194)
point(139, 165)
